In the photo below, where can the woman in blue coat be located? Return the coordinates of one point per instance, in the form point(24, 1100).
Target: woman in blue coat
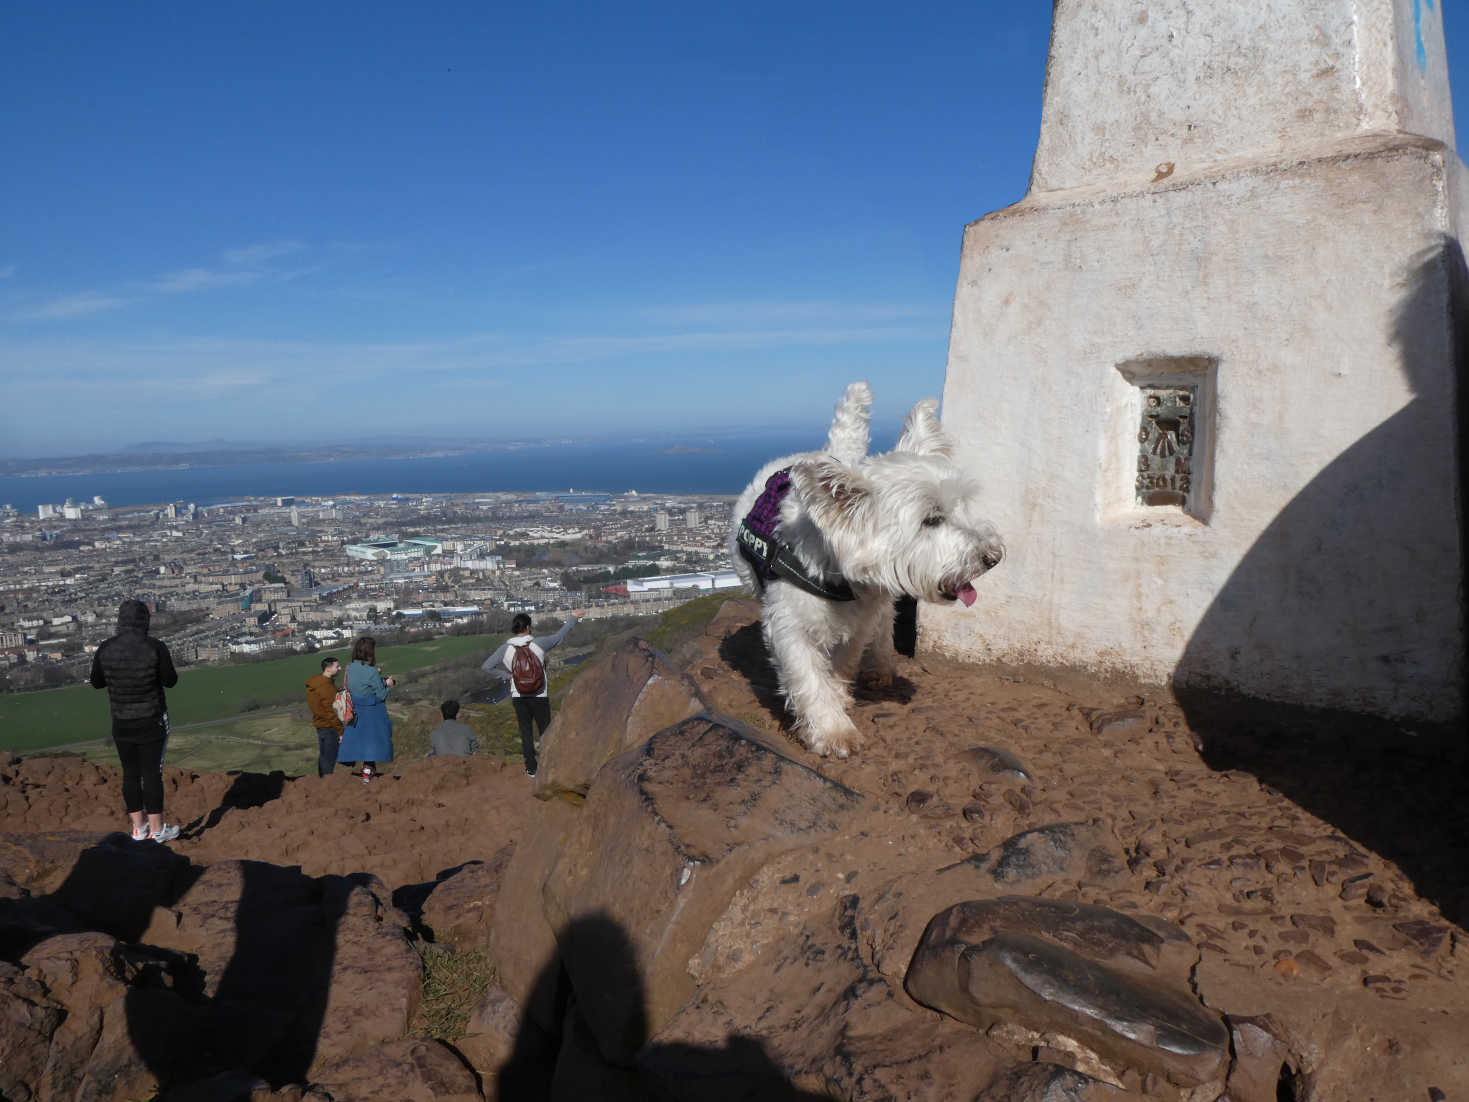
point(369, 738)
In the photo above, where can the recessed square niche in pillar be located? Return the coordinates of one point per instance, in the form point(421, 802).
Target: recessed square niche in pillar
point(1163, 439)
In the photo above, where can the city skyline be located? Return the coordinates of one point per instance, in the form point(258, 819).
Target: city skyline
point(276, 225)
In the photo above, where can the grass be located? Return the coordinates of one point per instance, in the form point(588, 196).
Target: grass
point(57, 717)
point(454, 981)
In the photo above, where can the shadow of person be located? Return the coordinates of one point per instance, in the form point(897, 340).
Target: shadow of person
point(1337, 605)
point(247, 790)
point(583, 1033)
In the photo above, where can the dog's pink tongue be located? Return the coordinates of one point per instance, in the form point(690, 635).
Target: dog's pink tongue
point(966, 594)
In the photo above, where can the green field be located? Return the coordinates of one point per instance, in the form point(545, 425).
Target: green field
point(253, 716)
point(79, 713)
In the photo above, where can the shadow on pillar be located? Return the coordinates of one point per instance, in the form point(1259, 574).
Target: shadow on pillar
point(1315, 593)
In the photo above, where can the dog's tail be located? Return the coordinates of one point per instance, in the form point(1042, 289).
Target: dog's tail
point(848, 439)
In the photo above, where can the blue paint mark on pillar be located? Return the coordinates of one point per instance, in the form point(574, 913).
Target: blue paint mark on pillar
point(1418, 6)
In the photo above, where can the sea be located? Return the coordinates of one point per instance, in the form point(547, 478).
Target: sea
point(725, 468)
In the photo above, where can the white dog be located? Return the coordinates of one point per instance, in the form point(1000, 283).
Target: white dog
point(828, 539)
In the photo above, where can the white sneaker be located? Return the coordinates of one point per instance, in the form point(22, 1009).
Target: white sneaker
point(166, 834)
point(140, 834)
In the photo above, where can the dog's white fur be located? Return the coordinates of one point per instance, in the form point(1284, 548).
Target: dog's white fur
point(901, 523)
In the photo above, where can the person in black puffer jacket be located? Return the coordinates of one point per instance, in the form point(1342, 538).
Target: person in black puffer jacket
point(135, 668)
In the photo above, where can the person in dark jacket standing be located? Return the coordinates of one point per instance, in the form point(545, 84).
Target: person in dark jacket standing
point(135, 668)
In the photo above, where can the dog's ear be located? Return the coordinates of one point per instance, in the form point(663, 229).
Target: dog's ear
point(834, 494)
point(848, 437)
point(922, 433)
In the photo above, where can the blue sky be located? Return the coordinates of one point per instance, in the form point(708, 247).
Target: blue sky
point(312, 221)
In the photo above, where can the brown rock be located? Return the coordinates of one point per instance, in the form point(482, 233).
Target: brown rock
point(918, 799)
point(1427, 937)
point(522, 940)
point(1121, 722)
point(1115, 983)
point(669, 832)
point(612, 707)
point(1321, 924)
point(1046, 1082)
point(995, 761)
point(495, 1029)
point(406, 1070)
point(461, 908)
point(1077, 851)
point(1259, 1052)
point(376, 977)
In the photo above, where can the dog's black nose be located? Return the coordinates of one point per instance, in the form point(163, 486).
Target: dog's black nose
point(991, 558)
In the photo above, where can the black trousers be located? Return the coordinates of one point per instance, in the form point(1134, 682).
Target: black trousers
point(528, 708)
point(142, 769)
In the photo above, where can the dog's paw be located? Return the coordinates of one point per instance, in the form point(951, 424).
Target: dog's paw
point(837, 743)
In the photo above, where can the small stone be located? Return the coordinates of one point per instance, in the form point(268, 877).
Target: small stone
point(918, 799)
point(973, 812)
point(1366, 946)
point(1377, 896)
point(1375, 979)
point(1318, 871)
point(1321, 924)
point(1351, 956)
point(1427, 936)
point(1312, 962)
point(995, 759)
point(1121, 722)
point(1436, 1095)
point(1288, 967)
point(1018, 802)
point(1295, 937)
point(1354, 888)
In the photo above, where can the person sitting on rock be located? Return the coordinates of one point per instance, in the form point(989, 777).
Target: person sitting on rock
point(452, 739)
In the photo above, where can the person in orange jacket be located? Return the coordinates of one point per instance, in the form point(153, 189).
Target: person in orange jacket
point(321, 690)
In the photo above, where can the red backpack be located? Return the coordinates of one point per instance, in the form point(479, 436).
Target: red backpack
point(526, 672)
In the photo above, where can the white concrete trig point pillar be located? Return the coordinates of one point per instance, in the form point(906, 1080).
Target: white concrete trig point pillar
point(1207, 369)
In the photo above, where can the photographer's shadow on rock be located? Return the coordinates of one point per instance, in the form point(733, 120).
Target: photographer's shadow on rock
point(606, 1010)
point(1333, 585)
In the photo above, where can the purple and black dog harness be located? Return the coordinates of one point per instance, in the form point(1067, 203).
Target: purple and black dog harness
point(770, 557)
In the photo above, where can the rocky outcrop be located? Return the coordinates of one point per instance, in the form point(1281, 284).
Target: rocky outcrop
point(1117, 984)
point(460, 910)
point(640, 875)
point(236, 972)
point(615, 706)
point(997, 900)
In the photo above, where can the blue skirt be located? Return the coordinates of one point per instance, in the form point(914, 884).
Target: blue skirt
point(370, 737)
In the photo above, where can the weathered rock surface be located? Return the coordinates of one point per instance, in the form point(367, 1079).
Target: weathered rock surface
point(406, 1070)
point(616, 705)
point(460, 910)
point(1101, 977)
point(669, 832)
point(1040, 1082)
point(241, 967)
point(1079, 851)
point(1338, 978)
